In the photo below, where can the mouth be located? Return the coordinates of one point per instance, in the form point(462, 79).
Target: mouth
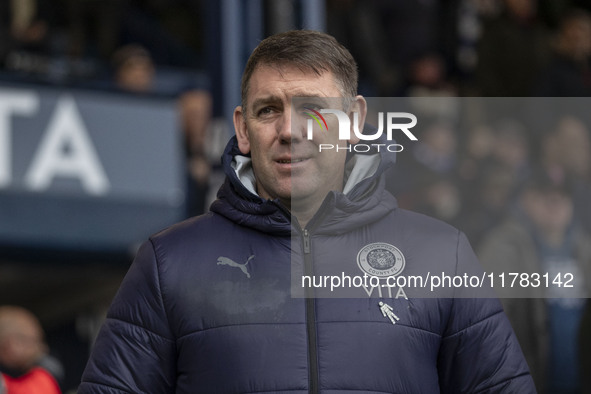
point(290, 161)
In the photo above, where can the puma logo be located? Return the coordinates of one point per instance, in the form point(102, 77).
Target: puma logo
point(226, 261)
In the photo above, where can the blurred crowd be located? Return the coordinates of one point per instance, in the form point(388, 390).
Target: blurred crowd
point(467, 47)
point(508, 161)
point(76, 42)
point(486, 48)
point(430, 47)
point(513, 173)
point(519, 187)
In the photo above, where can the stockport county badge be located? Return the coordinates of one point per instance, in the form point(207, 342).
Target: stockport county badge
point(380, 259)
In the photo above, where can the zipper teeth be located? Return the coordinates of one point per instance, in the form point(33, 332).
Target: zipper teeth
point(312, 345)
point(310, 306)
point(310, 318)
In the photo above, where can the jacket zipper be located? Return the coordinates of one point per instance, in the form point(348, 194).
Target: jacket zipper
point(313, 375)
point(310, 318)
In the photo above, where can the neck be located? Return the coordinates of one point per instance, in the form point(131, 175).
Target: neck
point(303, 210)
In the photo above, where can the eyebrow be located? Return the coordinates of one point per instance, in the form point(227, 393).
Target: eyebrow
point(265, 100)
point(272, 99)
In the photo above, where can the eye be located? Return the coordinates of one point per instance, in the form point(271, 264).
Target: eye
point(265, 111)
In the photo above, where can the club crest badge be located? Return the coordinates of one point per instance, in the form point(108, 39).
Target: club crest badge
point(380, 259)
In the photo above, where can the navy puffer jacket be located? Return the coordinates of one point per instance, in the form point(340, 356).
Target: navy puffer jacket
point(215, 304)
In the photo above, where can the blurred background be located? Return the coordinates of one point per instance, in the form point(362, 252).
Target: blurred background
point(114, 113)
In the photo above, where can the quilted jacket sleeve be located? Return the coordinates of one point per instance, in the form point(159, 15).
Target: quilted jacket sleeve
point(479, 351)
point(135, 350)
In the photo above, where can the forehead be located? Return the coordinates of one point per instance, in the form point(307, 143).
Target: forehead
point(287, 81)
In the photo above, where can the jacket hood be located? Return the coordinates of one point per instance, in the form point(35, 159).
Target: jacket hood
point(363, 200)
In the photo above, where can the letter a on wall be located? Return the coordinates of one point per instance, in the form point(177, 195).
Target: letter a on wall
point(67, 151)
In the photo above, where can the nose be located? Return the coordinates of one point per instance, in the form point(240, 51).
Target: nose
point(289, 129)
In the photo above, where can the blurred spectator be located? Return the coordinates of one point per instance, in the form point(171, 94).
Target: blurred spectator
point(568, 149)
point(427, 77)
point(511, 150)
point(496, 162)
point(385, 36)
point(171, 30)
point(431, 93)
point(477, 152)
point(24, 354)
point(94, 27)
point(585, 349)
point(25, 23)
point(463, 34)
point(541, 236)
point(24, 29)
point(569, 71)
point(358, 26)
point(513, 48)
point(511, 143)
point(134, 69)
point(425, 179)
point(205, 139)
point(566, 153)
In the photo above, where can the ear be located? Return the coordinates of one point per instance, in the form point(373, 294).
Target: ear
point(241, 131)
point(359, 106)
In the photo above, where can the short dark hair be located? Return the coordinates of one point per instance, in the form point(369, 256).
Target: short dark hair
point(129, 52)
point(308, 50)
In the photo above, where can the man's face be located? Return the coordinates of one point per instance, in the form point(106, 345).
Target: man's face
point(286, 164)
point(550, 211)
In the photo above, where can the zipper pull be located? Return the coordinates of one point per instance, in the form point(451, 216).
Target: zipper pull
point(306, 241)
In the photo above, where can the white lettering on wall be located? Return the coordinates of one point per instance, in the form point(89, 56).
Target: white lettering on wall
point(67, 151)
point(12, 102)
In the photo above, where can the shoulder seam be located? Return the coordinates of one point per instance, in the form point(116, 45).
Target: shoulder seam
point(139, 326)
point(503, 382)
point(104, 385)
point(159, 281)
point(473, 324)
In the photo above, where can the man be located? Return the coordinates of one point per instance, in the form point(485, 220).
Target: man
point(134, 69)
point(22, 352)
point(542, 235)
point(207, 305)
point(567, 73)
